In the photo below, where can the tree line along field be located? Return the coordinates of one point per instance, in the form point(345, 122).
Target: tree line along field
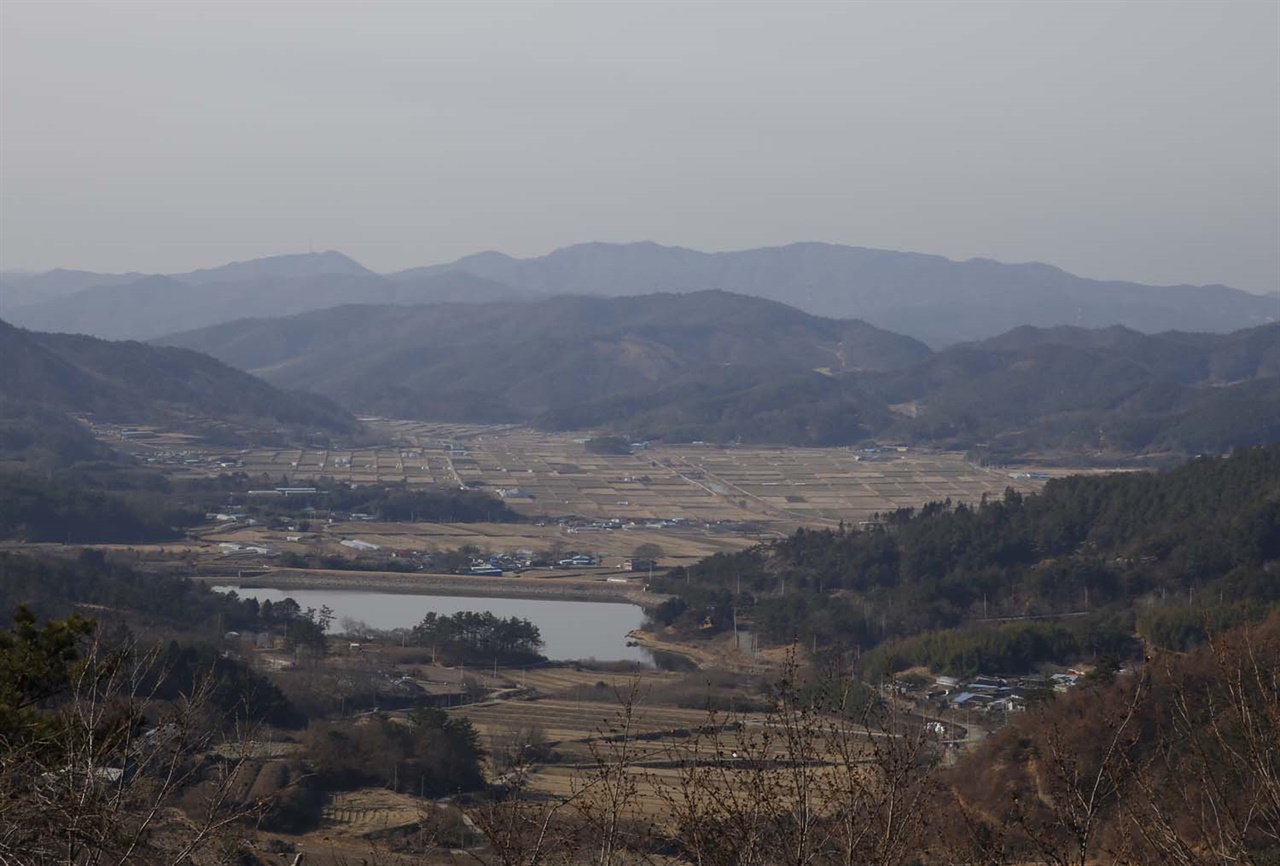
point(544, 474)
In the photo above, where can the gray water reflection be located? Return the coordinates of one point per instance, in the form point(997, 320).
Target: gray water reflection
point(571, 629)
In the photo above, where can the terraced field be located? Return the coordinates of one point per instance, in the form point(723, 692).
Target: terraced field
point(734, 754)
point(562, 681)
point(565, 721)
point(656, 789)
point(371, 810)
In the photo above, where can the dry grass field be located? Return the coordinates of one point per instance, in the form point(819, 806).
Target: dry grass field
point(549, 474)
point(371, 810)
point(680, 544)
point(691, 500)
point(734, 751)
point(567, 722)
point(564, 681)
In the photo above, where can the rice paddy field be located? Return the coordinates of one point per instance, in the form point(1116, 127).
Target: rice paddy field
point(371, 810)
point(664, 742)
point(553, 475)
point(566, 721)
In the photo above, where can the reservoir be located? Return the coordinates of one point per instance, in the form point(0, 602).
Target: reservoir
point(570, 629)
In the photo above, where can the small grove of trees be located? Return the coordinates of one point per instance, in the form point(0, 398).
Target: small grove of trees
point(431, 753)
point(308, 628)
point(1014, 648)
point(648, 550)
point(303, 628)
point(468, 636)
point(391, 503)
point(608, 445)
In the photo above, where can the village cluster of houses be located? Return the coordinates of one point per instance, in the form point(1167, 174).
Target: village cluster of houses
point(237, 550)
point(487, 565)
point(573, 523)
point(168, 457)
point(987, 694)
point(523, 560)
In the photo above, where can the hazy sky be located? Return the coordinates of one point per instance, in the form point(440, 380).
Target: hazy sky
point(1125, 140)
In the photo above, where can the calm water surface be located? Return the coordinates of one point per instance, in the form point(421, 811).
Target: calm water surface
point(571, 629)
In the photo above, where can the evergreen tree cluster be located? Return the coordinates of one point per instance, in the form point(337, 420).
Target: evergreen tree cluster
point(72, 509)
point(431, 754)
point(470, 636)
point(54, 586)
point(394, 504)
point(238, 693)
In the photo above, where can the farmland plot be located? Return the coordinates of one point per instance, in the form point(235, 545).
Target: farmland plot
point(735, 751)
point(553, 475)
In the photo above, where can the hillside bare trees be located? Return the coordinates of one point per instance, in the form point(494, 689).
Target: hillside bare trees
point(1178, 763)
point(96, 768)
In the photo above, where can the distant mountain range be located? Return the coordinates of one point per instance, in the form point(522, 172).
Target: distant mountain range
point(724, 367)
point(133, 307)
point(48, 376)
point(928, 297)
point(931, 298)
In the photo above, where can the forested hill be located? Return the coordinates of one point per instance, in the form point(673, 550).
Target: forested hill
point(44, 439)
point(715, 366)
point(1181, 356)
point(1159, 552)
point(551, 361)
point(1095, 390)
point(135, 383)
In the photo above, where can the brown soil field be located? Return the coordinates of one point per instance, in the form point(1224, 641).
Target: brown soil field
point(562, 681)
point(730, 747)
point(691, 500)
point(552, 474)
point(371, 810)
point(568, 719)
